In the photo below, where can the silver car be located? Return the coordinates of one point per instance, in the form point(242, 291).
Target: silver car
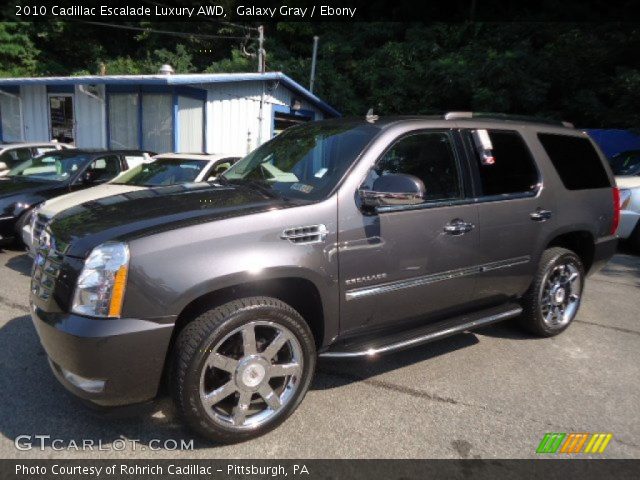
point(626, 168)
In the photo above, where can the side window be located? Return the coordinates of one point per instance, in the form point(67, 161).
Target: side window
point(428, 156)
point(576, 161)
point(105, 168)
point(513, 169)
point(15, 156)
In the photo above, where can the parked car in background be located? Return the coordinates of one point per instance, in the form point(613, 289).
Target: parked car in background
point(11, 154)
point(161, 170)
point(338, 239)
point(626, 168)
point(55, 173)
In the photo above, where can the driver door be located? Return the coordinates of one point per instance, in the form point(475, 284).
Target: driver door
point(406, 263)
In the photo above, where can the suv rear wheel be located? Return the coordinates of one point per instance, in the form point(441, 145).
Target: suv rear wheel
point(241, 369)
point(553, 299)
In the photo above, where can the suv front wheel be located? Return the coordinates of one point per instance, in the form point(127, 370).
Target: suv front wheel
point(552, 301)
point(241, 369)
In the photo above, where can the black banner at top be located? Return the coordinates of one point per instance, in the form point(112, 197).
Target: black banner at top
point(266, 11)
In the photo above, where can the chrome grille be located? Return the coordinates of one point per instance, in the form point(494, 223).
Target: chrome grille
point(46, 268)
point(38, 226)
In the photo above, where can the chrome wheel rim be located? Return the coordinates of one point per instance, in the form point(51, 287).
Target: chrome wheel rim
point(251, 374)
point(560, 295)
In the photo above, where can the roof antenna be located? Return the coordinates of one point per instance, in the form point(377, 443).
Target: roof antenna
point(371, 118)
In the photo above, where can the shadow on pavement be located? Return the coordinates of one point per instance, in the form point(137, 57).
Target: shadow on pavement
point(337, 373)
point(21, 264)
point(32, 402)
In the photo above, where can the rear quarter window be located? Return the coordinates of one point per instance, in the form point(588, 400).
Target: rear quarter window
point(576, 161)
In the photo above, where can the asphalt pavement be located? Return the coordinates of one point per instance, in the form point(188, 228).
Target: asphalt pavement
point(493, 393)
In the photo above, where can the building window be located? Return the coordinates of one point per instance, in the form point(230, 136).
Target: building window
point(123, 121)
point(11, 119)
point(190, 124)
point(157, 122)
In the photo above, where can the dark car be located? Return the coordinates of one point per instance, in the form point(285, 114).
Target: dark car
point(55, 173)
point(338, 239)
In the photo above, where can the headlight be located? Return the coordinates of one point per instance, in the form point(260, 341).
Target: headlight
point(101, 284)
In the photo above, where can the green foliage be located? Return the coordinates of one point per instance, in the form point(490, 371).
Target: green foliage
point(586, 73)
point(17, 52)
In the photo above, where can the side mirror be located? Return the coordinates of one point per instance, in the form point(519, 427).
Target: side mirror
point(392, 190)
point(3, 166)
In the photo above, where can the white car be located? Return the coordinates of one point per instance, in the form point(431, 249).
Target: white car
point(11, 154)
point(626, 168)
point(161, 170)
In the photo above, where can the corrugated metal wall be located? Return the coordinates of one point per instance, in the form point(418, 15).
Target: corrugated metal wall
point(35, 113)
point(90, 118)
point(232, 115)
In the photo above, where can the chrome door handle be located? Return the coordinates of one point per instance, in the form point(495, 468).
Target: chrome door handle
point(458, 227)
point(540, 215)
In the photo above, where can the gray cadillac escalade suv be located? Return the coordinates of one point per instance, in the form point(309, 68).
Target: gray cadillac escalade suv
point(345, 238)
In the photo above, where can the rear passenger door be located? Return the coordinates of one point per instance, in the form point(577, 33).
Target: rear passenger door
point(515, 213)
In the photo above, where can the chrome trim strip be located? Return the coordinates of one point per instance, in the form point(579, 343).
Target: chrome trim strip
point(432, 278)
point(7, 218)
point(428, 337)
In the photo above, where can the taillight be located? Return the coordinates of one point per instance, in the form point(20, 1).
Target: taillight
point(616, 211)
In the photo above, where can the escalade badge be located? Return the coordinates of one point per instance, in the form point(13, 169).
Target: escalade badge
point(365, 279)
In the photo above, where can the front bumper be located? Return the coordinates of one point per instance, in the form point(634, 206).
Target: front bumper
point(110, 362)
point(604, 249)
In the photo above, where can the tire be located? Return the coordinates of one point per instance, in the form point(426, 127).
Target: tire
point(20, 223)
point(552, 301)
point(229, 389)
point(634, 238)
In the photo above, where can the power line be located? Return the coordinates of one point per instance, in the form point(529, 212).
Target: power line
point(163, 32)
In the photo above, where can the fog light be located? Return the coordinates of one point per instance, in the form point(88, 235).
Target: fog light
point(90, 385)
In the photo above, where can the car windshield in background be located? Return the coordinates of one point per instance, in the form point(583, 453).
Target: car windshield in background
point(162, 172)
point(53, 167)
point(626, 163)
point(304, 162)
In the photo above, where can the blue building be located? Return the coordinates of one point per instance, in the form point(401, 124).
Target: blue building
point(212, 113)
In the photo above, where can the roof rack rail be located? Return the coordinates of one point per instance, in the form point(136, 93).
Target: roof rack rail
point(505, 116)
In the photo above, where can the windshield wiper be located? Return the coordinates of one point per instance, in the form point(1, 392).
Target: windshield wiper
point(260, 186)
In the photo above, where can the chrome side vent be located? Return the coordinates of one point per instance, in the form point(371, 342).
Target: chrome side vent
point(305, 235)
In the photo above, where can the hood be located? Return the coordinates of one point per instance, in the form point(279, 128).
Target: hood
point(56, 205)
point(79, 229)
point(10, 186)
point(630, 181)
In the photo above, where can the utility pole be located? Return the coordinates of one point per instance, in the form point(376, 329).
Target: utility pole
point(313, 63)
point(261, 52)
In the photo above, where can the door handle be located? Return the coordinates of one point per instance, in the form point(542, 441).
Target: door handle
point(458, 227)
point(540, 215)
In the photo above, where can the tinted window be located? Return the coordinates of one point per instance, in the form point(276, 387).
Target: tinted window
point(50, 166)
point(428, 156)
point(303, 162)
point(15, 156)
point(105, 168)
point(576, 161)
point(513, 171)
point(162, 172)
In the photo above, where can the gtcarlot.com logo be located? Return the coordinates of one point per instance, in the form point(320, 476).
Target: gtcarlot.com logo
point(574, 443)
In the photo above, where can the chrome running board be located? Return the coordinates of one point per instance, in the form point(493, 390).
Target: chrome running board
point(423, 334)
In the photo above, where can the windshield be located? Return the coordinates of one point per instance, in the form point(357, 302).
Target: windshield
point(50, 166)
point(626, 163)
point(162, 172)
point(304, 162)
